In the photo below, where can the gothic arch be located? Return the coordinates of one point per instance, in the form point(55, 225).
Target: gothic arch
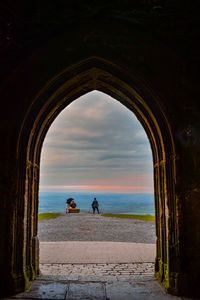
point(96, 74)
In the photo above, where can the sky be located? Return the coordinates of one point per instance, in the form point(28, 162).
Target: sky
point(96, 144)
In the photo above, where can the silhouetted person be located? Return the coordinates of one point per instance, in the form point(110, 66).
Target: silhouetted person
point(95, 206)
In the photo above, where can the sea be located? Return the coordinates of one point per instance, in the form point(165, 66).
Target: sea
point(139, 204)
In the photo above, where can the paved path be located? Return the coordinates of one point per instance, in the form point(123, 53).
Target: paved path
point(88, 238)
point(96, 252)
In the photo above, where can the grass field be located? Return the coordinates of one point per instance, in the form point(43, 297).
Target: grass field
point(137, 217)
point(47, 216)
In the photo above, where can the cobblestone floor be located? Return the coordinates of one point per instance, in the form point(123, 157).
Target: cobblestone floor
point(97, 269)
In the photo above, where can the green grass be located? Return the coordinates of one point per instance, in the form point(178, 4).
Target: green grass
point(136, 217)
point(47, 216)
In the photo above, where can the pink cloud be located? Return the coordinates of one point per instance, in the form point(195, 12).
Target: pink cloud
point(123, 189)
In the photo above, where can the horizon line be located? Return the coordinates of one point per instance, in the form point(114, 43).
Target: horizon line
point(98, 188)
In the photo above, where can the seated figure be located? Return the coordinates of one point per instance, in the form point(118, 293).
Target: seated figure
point(73, 208)
point(73, 204)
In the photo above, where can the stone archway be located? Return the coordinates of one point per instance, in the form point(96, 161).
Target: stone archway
point(95, 74)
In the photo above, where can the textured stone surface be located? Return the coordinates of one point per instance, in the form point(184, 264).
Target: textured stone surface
point(45, 290)
point(86, 290)
point(142, 287)
point(78, 271)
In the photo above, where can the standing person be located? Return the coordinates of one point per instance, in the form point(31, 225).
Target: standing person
point(95, 205)
point(68, 204)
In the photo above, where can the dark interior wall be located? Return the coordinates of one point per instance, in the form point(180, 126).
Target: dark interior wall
point(155, 42)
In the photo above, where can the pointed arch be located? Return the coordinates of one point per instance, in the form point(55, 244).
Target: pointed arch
point(90, 74)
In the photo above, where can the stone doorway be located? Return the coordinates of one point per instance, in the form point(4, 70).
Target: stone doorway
point(95, 74)
point(75, 238)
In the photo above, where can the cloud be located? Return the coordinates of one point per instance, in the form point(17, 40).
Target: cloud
point(98, 189)
point(95, 137)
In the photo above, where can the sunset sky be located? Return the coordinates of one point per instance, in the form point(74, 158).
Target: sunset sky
point(96, 144)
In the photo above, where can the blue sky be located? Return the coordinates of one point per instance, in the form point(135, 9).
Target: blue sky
point(96, 144)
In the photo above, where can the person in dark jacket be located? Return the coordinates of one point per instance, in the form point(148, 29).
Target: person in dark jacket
point(95, 206)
